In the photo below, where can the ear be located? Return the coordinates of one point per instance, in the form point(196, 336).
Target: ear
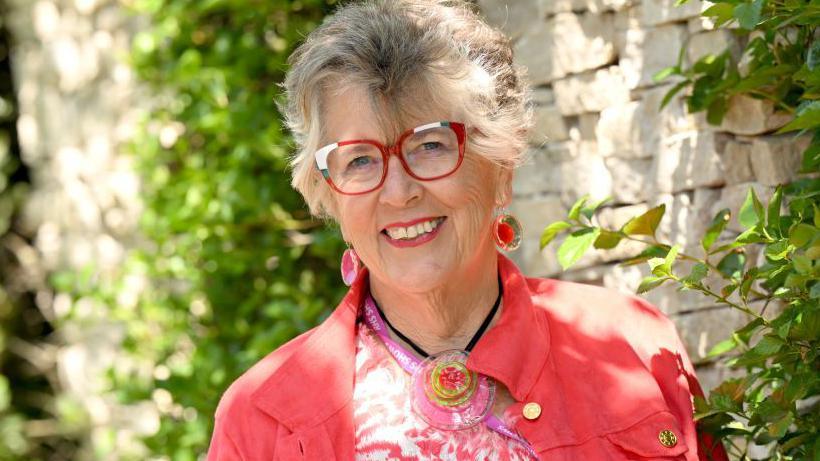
point(504, 187)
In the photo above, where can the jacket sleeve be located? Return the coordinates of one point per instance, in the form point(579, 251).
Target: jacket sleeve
point(222, 446)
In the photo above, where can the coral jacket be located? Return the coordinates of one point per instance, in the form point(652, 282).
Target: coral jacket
point(607, 370)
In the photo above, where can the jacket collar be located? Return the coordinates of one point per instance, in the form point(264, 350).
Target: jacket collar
point(317, 380)
point(515, 349)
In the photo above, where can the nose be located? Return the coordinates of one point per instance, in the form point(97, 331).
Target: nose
point(399, 189)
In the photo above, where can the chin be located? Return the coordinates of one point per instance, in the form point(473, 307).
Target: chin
point(419, 277)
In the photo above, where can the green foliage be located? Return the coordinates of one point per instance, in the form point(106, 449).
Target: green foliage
point(233, 265)
point(776, 401)
point(778, 63)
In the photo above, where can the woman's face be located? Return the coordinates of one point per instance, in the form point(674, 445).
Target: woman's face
point(460, 204)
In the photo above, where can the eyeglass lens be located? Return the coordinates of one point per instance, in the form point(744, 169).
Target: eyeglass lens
point(359, 167)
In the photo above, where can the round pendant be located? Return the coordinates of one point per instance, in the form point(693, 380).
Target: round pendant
point(447, 395)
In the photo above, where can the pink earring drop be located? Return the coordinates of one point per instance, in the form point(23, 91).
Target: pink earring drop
point(507, 232)
point(350, 266)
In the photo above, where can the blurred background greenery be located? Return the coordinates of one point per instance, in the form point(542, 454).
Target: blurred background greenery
point(231, 264)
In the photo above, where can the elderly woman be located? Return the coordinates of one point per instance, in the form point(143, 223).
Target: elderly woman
point(410, 118)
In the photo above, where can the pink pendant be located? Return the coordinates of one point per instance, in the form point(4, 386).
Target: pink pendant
point(448, 395)
point(350, 266)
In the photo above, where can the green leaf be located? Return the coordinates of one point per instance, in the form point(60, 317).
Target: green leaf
point(553, 230)
point(808, 118)
point(653, 251)
point(589, 209)
point(813, 55)
point(721, 12)
point(745, 333)
point(716, 110)
point(802, 264)
point(773, 212)
point(768, 345)
point(801, 234)
point(751, 212)
point(650, 282)
point(778, 250)
point(575, 245)
point(672, 92)
point(607, 240)
point(645, 224)
point(748, 14)
point(732, 264)
point(664, 73)
point(779, 428)
point(722, 347)
point(575, 212)
point(750, 235)
point(715, 228)
point(699, 271)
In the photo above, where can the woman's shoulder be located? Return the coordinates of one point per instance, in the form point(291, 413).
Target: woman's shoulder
point(238, 395)
point(599, 310)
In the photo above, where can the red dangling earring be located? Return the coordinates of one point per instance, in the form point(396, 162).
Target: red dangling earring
point(507, 232)
point(351, 264)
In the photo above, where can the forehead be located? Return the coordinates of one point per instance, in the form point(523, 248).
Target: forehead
point(353, 112)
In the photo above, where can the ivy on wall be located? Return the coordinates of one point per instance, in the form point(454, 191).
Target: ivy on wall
point(772, 411)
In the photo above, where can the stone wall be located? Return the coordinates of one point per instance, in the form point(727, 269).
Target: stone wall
point(599, 131)
point(78, 106)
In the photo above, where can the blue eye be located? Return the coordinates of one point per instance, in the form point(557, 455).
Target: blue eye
point(431, 145)
point(360, 162)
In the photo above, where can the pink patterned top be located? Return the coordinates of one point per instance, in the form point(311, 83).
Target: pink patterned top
point(387, 428)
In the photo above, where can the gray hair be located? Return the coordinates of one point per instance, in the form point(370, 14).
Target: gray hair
point(405, 51)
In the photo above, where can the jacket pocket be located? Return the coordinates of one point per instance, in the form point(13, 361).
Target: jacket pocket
point(656, 437)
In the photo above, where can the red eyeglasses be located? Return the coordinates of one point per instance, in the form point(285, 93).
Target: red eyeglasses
point(427, 152)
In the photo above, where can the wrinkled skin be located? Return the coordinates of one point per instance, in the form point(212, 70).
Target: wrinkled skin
point(439, 292)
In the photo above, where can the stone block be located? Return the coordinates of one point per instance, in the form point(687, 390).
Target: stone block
point(776, 159)
point(583, 127)
point(750, 116)
point(703, 329)
point(537, 176)
point(635, 129)
point(582, 42)
point(737, 162)
point(589, 175)
point(543, 96)
point(548, 125)
point(514, 17)
point(566, 43)
point(559, 152)
point(536, 213)
point(591, 91)
point(551, 7)
point(630, 183)
point(713, 42)
point(655, 12)
point(647, 51)
point(688, 161)
point(534, 50)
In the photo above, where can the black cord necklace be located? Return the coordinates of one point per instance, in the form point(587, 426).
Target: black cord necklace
point(472, 342)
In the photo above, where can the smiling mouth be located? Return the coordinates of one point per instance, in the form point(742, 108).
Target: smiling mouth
point(414, 231)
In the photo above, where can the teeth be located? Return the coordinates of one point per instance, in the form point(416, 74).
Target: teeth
point(412, 231)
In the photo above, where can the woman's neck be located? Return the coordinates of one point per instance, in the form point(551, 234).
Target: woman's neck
point(446, 317)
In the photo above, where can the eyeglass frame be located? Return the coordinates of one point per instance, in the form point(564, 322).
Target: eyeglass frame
point(322, 154)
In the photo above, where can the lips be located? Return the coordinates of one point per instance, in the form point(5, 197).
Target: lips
point(413, 233)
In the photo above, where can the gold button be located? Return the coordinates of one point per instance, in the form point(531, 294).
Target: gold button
point(532, 411)
point(668, 438)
